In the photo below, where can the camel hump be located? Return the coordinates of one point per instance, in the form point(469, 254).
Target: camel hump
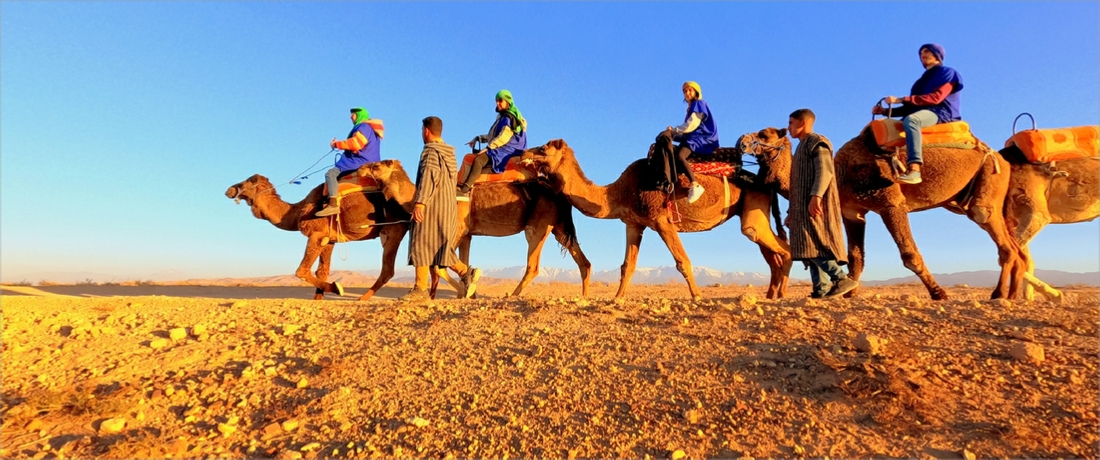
point(350, 182)
point(513, 171)
point(1047, 145)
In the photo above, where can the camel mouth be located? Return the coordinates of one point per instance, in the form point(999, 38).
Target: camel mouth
point(232, 192)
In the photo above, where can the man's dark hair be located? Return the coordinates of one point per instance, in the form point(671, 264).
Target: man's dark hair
point(803, 115)
point(434, 125)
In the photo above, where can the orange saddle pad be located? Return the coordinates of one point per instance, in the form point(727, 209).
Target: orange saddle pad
point(353, 183)
point(512, 171)
point(889, 133)
point(1047, 145)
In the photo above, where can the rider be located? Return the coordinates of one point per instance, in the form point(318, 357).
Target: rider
point(933, 99)
point(698, 134)
point(507, 138)
point(361, 147)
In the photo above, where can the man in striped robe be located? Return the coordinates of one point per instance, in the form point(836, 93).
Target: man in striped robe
point(814, 213)
point(432, 233)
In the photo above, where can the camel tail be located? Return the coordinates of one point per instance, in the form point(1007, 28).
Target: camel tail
point(568, 237)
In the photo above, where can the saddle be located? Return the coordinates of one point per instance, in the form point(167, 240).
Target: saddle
point(349, 182)
point(890, 135)
point(1051, 145)
point(513, 172)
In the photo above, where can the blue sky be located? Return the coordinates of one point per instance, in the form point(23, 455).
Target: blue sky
point(123, 123)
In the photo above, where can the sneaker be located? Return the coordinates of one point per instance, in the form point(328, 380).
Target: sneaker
point(816, 295)
point(415, 295)
point(469, 282)
point(328, 211)
point(842, 287)
point(911, 177)
point(694, 192)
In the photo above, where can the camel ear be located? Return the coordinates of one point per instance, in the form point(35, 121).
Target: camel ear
point(781, 133)
point(557, 144)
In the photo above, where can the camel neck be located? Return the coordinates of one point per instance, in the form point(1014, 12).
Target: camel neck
point(270, 207)
point(590, 199)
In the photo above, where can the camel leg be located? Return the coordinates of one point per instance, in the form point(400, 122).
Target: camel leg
point(578, 256)
point(897, 223)
point(391, 237)
point(988, 212)
point(324, 266)
point(434, 286)
point(536, 238)
point(672, 239)
point(777, 253)
point(313, 251)
point(464, 256)
point(1030, 223)
point(855, 228)
point(1032, 283)
point(633, 242)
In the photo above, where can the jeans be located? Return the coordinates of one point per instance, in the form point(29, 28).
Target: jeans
point(819, 269)
point(330, 179)
point(912, 124)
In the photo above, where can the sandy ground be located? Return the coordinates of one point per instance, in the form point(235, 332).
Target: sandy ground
point(186, 371)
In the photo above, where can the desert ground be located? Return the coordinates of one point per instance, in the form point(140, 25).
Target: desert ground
point(206, 371)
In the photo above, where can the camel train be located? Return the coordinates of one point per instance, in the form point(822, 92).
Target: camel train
point(1010, 196)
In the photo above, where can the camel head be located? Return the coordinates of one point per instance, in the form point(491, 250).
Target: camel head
point(381, 170)
point(772, 149)
point(547, 159)
point(249, 189)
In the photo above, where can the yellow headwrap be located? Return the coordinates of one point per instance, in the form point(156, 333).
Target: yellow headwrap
point(695, 86)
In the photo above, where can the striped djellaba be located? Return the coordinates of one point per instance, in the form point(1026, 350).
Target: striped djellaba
point(431, 242)
point(818, 237)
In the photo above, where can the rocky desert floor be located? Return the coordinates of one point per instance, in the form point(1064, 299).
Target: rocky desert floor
point(192, 371)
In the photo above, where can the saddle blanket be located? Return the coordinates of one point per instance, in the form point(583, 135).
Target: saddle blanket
point(1047, 145)
point(352, 183)
point(890, 134)
point(513, 172)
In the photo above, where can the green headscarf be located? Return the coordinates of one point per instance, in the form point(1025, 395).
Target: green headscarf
point(512, 110)
point(361, 114)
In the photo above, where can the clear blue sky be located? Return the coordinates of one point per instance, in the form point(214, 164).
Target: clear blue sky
point(123, 123)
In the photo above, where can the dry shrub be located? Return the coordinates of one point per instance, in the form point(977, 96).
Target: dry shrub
point(48, 283)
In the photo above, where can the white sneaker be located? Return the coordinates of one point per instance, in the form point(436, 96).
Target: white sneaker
point(695, 192)
point(911, 177)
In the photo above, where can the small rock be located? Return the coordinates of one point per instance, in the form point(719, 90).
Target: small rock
point(302, 383)
point(290, 329)
point(289, 425)
point(226, 429)
point(677, 454)
point(198, 330)
point(311, 446)
point(869, 343)
point(746, 300)
point(112, 425)
point(288, 455)
point(272, 429)
point(178, 333)
point(345, 426)
point(1027, 352)
point(238, 304)
point(418, 422)
point(33, 425)
point(693, 415)
point(157, 344)
point(968, 455)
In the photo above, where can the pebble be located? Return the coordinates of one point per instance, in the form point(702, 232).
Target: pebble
point(1027, 352)
point(290, 329)
point(178, 333)
point(238, 304)
point(289, 455)
point(302, 383)
point(693, 415)
point(226, 429)
point(311, 446)
point(289, 425)
point(157, 344)
point(272, 429)
point(112, 425)
point(677, 454)
point(198, 330)
point(869, 343)
point(418, 422)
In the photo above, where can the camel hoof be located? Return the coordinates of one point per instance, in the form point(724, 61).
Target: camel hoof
point(697, 298)
point(338, 289)
point(938, 294)
point(318, 297)
point(366, 296)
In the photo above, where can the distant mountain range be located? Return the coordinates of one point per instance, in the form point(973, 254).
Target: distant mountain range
point(645, 275)
point(657, 275)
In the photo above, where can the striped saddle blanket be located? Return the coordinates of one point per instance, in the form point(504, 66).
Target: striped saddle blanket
point(512, 171)
point(724, 162)
point(350, 183)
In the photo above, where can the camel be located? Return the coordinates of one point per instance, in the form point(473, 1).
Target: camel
point(360, 219)
point(972, 182)
point(498, 209)
point(640, 207)
point(1064, 192)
